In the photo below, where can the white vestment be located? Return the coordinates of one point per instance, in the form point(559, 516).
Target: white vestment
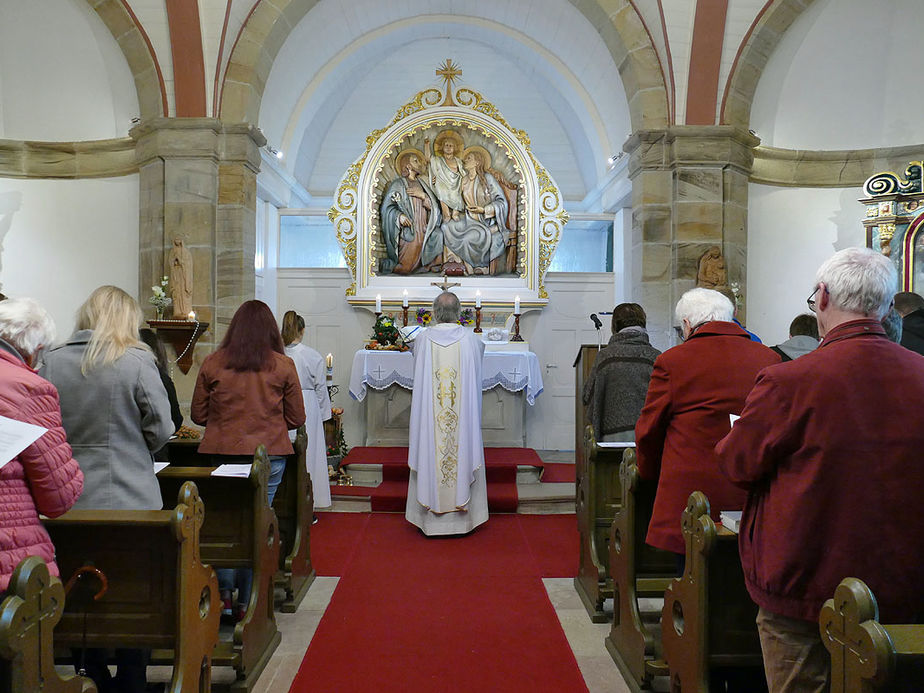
point(447, 493)
point(312, 375)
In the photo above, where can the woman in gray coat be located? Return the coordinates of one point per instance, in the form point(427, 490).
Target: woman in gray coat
point(113, 403)
point(116, 413)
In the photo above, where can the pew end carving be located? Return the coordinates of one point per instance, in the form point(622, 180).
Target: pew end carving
point(240, 531)
point(294, 506)
point(866, 655)
point(708, 628)
point(159, 595)
point(33, 606)
point(638, 571)
point(597, 499)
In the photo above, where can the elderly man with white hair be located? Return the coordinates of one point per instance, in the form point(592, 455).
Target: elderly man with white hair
point(44, 478)
point(447, 491)
point(694, 387)
point(828, 449)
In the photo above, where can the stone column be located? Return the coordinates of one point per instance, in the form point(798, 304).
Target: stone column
point(198, 181)
point(689, 193)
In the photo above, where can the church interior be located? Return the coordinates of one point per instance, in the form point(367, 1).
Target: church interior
point(683, 142)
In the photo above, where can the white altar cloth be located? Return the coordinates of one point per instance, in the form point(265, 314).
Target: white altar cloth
point(512, 370)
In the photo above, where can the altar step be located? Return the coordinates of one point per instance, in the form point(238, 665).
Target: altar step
point(535, 497)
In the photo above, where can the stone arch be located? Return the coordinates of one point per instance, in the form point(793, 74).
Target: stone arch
point(753, 53)
point(139, 53)
point(617, 21)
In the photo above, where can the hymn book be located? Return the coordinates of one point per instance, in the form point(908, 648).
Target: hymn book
point(731, 519)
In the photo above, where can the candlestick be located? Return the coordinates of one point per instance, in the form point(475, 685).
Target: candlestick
point(192, 316)
point(477, 299)
point(477, 329)
point(516, 305)
point(404, 312)
point(378, 303)
point(516, 329)
point(404, 299)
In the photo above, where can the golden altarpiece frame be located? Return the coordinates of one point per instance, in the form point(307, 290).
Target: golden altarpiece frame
point(448, 188)
point(895, 222)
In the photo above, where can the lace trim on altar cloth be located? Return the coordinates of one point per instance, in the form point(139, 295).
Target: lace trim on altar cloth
point(511, 385)
point(385, 382)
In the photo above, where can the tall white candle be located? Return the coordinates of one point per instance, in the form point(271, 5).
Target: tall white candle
point(330, 360)
point(477, 299)
point(516, 305)
point(404, 299)
point(378, 303)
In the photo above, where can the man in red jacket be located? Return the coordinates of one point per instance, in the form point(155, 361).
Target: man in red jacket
point(693, 389)
point(833, 467)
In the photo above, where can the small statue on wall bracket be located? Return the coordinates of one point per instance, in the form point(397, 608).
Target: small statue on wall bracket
point(181, 279)
point(711, 273)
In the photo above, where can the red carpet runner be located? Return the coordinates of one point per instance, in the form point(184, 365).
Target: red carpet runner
point(391, 495)
point(442, 614)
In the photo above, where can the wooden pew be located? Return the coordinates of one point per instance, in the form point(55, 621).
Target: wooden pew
point(240, 531)
point(159, 594)
point(294, 507)
point(598, 497)
point(708, 627)
point(637, 571)
point(866, 655)
point(28, 614)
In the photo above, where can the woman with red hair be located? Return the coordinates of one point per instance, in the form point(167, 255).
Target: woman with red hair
point(248, 393)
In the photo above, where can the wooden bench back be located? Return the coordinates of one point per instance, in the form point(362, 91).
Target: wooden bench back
point(28, 615)
point(866, 655)
point(708, 619)
point(159, 594)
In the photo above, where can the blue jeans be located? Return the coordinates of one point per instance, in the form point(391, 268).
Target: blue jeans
point(242, 578)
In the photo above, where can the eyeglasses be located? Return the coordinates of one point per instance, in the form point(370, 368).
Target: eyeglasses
point(811, 299)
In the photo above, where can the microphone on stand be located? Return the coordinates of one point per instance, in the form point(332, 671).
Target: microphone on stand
point(598, 325)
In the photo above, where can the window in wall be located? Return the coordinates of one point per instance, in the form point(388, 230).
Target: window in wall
point(585, 246)
point(308, 240)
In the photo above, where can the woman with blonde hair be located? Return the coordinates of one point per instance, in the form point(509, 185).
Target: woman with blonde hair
point(116, 413)
point(311, 375)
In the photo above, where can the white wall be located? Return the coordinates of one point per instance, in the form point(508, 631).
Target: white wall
point(791, 231)
point(844, 76)
point(62, 239)
point(63, 77)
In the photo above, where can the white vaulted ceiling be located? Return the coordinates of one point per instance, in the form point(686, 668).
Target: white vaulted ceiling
point(350, 64)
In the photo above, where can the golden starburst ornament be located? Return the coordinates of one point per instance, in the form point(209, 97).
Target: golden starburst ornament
point(449, 71)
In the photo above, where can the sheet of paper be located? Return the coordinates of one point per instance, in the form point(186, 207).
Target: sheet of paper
point(732, 419)
point(616, 445)
point(16, 436)
point(159, 466)
point(235, 470)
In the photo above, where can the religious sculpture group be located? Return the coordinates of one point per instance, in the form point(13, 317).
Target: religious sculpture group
point(449, 211)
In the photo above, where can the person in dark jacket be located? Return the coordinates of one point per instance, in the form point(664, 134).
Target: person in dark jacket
point(803, 338)
point(149, 337)
point(833, 469)
point(911, 307)
point(616, 387)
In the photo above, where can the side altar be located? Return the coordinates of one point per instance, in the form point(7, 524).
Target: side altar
point(383, 381)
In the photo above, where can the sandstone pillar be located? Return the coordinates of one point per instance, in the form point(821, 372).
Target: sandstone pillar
point(689, 193)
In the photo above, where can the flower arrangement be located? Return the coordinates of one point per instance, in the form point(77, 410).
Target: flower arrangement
point(160, 300)
point(425, 317)
point(384, 331)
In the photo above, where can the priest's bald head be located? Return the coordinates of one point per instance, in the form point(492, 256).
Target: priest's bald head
point(446, 307)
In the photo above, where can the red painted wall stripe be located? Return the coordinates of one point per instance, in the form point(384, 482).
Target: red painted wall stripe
point(668, 85)
point(218, 61)
point(188, 63)
point(147, 40)
point(734, 67)
point(705, 61)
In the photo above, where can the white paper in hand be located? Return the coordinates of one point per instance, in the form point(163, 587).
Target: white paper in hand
point(234, 470)
point(16, 436)
point(732, 418)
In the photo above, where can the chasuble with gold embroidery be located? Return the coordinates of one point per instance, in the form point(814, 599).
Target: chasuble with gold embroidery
point(447, 492)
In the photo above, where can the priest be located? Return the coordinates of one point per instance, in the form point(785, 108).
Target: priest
point(447, 491)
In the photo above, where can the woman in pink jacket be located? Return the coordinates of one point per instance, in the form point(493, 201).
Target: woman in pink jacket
point(44, 478)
